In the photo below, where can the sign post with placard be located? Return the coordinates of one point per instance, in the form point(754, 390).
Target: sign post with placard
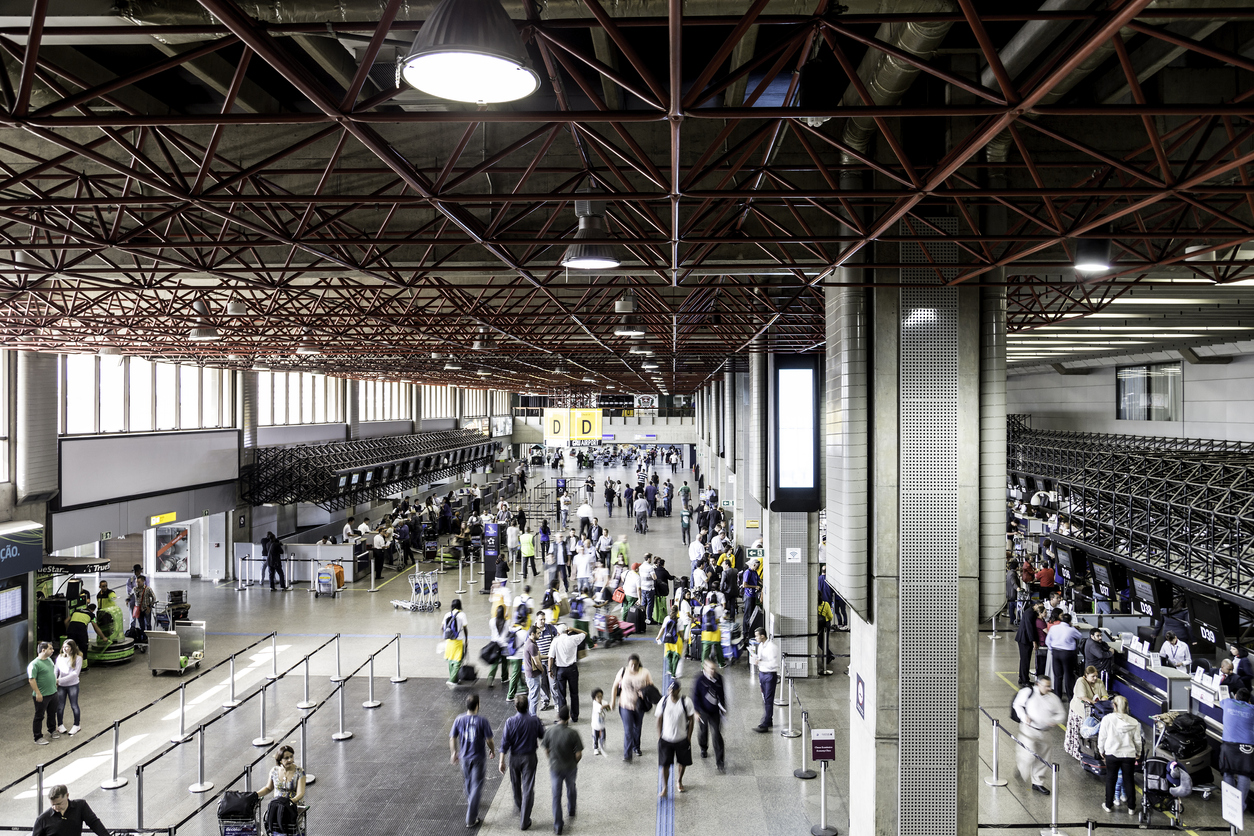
point(1231, 801)
point(823, 751)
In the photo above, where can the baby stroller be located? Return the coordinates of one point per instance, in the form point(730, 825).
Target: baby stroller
point(1165, 784)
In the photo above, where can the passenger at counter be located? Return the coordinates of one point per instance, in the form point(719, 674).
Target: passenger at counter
point(1236, 752)
point(1025, 637)
point(1244, 665)
point(1088, 690)
point(1228, 677)
point(1097, 654)
point(1175, 652)
point(1062, 642)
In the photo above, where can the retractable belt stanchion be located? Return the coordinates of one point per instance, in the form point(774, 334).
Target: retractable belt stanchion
point(995, 635)
point(139, 796)
point(304, 748)
point(994, 780)
point(338, 676)
point(779, 692)
point(306, 702)
point(789, 731)
point(461, 587)
point(341, 734)
point(1053, 801)
point(182, 736)
point(274, 657)
point(231, 702)
point(39, 790)
point(821, 829)
point(262, 740)
point(201, 784)
point(399, 678)
point(371, 702)
point(114, 782)
point(804, 772)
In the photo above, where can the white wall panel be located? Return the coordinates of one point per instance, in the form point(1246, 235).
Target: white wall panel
point(101, 468)
point(1218, 402)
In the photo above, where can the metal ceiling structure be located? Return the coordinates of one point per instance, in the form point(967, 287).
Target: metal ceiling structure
point(265, 159)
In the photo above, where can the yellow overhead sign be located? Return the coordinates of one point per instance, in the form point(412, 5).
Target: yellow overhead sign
point(585, 425)
point(556, 426)
point(163, 518)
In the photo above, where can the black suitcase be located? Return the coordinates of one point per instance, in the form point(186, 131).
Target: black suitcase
point(467, 674)
point(636, 616)
point(1093, 765)
point(237, 805)
point(1186, 745)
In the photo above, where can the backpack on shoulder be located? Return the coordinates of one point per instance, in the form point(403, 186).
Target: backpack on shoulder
point(450, 626)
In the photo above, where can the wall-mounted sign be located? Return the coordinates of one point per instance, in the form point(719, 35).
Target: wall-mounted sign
point(859, 697)
point(753, 523)
point(205, 513)
point(823, 744)
point(162, 519)
point(760, 554)
point(647, 437)
point(607, 436)
point(728, 503)
point(646, 401)
point(491, 541)
point(106, 535)
point(792, 555)
point(22, 551)
point(563, 425)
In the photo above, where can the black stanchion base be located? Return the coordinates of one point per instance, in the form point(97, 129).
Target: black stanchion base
point(822, 831)
point(804, 774)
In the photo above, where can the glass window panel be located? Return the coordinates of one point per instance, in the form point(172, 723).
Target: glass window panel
point(280, 397)
point(386, 401)
point(140, 373)
point(189, 397)
point(319, 398)
point(306, 398)
point(265, 394)
point(167, 393)
point(211, 402)
point(80, 393)
point(112, 395)
point(293, 397)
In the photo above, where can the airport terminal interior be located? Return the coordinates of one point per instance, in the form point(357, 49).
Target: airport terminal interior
point(916, 334)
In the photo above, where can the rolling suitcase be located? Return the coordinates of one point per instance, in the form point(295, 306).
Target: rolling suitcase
point(338, 570)
point(636, 616)
point(1093, 765)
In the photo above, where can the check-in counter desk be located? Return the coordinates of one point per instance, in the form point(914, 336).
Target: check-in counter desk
point(1152, 690)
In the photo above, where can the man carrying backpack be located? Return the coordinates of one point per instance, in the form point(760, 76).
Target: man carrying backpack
point(456, 634)
point(672, 640)
point(711, 635)
point(711, 705)
point(1037, 708)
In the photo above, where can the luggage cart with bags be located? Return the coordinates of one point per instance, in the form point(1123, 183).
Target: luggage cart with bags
point(239, 814)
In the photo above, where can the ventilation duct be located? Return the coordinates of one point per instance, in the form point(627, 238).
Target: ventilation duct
point(38, 470)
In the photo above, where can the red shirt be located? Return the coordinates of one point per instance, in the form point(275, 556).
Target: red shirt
point(1027, 572)
point(1045, 577)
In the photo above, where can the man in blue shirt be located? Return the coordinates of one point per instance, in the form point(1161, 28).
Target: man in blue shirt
point(466, 744)
point(519, 740)
point(751, 586)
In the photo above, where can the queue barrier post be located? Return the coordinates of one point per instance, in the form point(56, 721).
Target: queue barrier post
point(341, 734)
point(804, 773)
point(779, 693)
point(201, 784)
point(371, 702)
point(274, 657)
point(306, 703)
point(338, 676)
point(261, 739)
point(399, 678)
point(182, 736)
point(1053, 802)
point(114, 782)
point(39, 790)
point(372, 578)
point(995, 635)
point(231, 701)
point(822, 829)
point(789, 731)
point(461, 586)
point(994, 780)
point(248, 777)
point(139, 796)
point(304, 747)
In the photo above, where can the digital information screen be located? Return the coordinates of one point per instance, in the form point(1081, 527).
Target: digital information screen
point(1206, 619)
point(796, 428)
point(1144, 596)
point(11, 603)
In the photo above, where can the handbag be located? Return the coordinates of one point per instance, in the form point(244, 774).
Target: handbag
point(619, 596)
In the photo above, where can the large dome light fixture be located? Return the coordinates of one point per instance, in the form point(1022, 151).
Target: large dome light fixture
point(470, 51)
point(581, 256)
point(629, 327)
point(202, 331)
point(1092, 255)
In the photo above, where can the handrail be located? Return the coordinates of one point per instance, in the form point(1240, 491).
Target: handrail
point(133, 714)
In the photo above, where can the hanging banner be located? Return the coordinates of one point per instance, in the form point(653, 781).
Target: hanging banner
point(585, 425)
point(556, 427)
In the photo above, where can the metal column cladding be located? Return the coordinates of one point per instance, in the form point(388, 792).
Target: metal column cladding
point(248, 412)
point(352, 409)
point(729, 413)
point(794, 591)
point(37, 455)
point(755, 436)
point(928, 539)
point(847, 461)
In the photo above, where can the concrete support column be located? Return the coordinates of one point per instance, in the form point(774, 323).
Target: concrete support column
point(993, 422)
point(913, 752)
point(415, 406)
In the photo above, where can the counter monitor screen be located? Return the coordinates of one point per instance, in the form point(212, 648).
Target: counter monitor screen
point(1143, 588)
point(1101, 572)
point(1064, 556)
point(343, 482)
point(1207, 620)
point(356, 479)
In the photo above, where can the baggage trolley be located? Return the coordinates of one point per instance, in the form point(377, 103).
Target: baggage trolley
point(325, 582)
point(241, 826)
point(608, 631)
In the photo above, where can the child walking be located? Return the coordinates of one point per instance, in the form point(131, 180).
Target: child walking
point(598, 721)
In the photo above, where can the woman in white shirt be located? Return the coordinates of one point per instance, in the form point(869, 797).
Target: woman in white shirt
point(68, 666)
point(631, 589)
point(499, 629)
point(600, 583)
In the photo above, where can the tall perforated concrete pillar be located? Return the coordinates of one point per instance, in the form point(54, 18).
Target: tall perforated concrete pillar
point(903, 498)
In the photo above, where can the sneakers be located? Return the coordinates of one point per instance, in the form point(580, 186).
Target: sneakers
point(1131, 811)
point(1106, 807)
point(74, 730)
point(55, 736)
point(42, 741)
point(61, 729)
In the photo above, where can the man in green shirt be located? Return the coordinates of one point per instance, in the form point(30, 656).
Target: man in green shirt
point(527, 542)
point(564, 747)
point(620, 550)
point(42, 675)
point(685, 494)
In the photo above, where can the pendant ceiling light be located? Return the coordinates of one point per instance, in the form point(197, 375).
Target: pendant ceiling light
point(628, 327)
point(452, 367)
point(470, 51)
point(484, 341)
point(261, 366)
point(1092, 255)
point(202, 331)
point(581, 256)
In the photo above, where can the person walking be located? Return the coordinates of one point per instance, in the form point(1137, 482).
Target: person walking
point(145, 600)
point(711, 705)
point(751, 589)
point(41, 673)
point(527, 548)
point(466, 742)
point(631, 589)
point(520, 739)
point(674, 735)
point(609, 495)
point(641, 509)
point(671, 637)
point(499, 631)
point(272, 551)
point(648, 574)
point(69, 666)
point(564, 668)
point(533, 670)
point(564, 746)
point(768, 664)
point(456, 635)
point(627, 695)
point(1038, 708)
point(65, 817)
point(1119, 743)
point(1236, 749)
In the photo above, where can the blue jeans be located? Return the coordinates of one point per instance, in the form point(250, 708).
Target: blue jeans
point(522, 777)
point(67, 693)
point(472, 779)
point(559, 779)
point(767, 682)
point(535, 692)
point(631, 730)
point(1241, 782)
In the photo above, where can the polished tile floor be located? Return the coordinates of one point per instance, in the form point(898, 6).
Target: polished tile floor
point(394, 775)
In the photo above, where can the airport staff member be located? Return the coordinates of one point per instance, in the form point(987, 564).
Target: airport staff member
point(1175, 652)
